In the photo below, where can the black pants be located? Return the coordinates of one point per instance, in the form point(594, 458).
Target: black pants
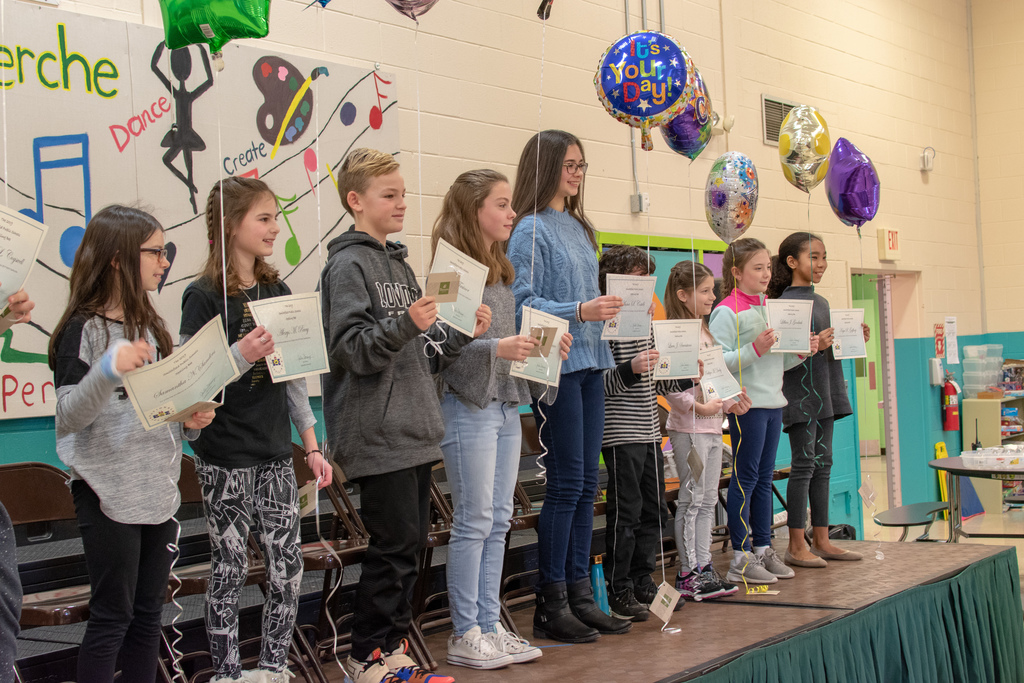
point(810, 472)
point(636, 498)
point(10, 598)
point(128, 569)
point(395, 509)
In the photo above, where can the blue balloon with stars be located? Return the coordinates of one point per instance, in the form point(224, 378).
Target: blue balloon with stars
point(645, 80)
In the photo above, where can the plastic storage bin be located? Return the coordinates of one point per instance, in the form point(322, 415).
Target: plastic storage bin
point(975, 351)
point(975, 364)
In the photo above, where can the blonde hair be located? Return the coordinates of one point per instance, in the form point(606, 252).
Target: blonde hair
point(458, 224)
point(239, 196)
point(360, 167)
point(736, 256)
point(686, 276)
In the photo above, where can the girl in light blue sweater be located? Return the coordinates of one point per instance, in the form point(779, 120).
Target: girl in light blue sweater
point(554, 251)
point(739, 325)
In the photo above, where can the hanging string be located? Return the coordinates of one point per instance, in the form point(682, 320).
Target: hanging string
point(543, 470)
point(223, 236)
point(3, 93)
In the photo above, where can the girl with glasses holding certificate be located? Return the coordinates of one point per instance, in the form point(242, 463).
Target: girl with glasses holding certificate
point(123, 477)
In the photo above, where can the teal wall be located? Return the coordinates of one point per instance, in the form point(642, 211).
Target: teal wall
point(920, 415)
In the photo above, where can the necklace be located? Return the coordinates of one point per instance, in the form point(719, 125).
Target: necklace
point(246, 292)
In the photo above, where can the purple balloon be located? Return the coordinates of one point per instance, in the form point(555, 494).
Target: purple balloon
point(852, 184)
point(412, 8)
point(690, 132)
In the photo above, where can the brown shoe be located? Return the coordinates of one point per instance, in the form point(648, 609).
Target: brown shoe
point(845, 556)
point(813, 563)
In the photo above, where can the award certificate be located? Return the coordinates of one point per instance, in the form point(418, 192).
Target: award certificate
point(678, 345)
point(297, 326)
point(545, 369)
point(791, 320)
point(185, 382)
point(848, 341)
point(21, 238)
point(634, 319)
point(460, 314)
point(717, 381)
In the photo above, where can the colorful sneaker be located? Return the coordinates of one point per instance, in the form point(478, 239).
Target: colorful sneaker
point(624, 605)
point(373, 671)
point(717, 587)
point(475, 651)
point(773, 563)
point(687, 585)
point(511, 644)
point(404, 668)
point(747, 567)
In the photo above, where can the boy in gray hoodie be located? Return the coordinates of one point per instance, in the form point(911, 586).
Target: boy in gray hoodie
point(381, 408)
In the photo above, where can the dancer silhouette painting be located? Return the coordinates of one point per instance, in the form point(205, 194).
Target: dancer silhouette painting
point(182, 138)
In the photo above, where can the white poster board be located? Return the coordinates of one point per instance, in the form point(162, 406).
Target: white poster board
point(102, 135)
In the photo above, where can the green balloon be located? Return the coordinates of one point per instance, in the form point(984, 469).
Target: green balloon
point(214, 22)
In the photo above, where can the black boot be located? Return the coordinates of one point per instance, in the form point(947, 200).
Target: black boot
point(581, 602)
point(554, 621)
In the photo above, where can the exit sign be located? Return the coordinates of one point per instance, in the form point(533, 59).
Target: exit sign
point(888, 244)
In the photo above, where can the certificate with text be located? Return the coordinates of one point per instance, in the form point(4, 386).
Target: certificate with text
point(634, 319)
point(21, 238)
point(848, 342)
point(791, 320)
point(717, 381)
point(185, 382)
point(296, 324)
point(460, 314)
point(678, 346)
point(548, 329)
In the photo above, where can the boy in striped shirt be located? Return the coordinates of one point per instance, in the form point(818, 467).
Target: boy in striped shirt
point(631, 445)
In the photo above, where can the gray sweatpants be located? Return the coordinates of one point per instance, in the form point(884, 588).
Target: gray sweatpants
point(696, 501)
point(265, 497)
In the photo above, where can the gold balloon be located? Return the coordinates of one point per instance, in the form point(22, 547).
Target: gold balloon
point(804, 146)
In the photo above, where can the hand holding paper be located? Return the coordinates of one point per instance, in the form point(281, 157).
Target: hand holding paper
point(257, 344)
point(633, 320)
point(423, 313)
point(200, 419)
point(133, 355)
point(467, 277)
point(851, 334)
point(295, 331)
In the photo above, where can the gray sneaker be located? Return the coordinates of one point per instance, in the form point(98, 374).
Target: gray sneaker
point(773, 563)
point(749, 568)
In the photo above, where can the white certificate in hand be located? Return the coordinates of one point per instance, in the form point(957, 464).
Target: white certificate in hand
point(186, 381)
point(678, 346)
point(296, 324)
point(634, 319)
point(717, 381)
point(544, 369)
point(460, 314)
point(21, 238)
point(791, 320)
point(848, 341)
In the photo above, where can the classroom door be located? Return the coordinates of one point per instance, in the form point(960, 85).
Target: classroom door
point(869, 385)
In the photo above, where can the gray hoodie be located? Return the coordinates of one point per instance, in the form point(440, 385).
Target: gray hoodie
point(380, 403)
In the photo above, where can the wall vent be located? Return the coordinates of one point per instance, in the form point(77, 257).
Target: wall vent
point(773, 113)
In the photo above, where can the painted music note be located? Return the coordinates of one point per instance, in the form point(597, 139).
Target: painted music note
point(376, 112)
point(254, 173)
point(309, 160)
point(292, 250)
point(71, 237)
point(172, 251)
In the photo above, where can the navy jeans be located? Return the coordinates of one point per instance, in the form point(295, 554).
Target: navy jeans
point(572, 435)
point(755, 439)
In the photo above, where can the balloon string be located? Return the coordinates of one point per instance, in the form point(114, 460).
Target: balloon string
point(739, 444)
point(3, 90)
point(223, 235)
point(543, 474)
point(419, 151)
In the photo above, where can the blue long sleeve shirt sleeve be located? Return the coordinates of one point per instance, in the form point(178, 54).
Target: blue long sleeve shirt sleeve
point(556, 268)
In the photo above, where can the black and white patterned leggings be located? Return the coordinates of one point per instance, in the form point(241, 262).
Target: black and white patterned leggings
point(264, 497)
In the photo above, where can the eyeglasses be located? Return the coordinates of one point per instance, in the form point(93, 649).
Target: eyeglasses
point(572, 167)
point(156, 251)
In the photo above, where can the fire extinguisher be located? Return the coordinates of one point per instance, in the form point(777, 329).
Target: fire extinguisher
point(950, 405)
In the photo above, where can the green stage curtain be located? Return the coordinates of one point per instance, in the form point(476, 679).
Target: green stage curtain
point(967, 629)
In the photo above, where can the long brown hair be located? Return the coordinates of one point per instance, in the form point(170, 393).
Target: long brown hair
point(537, 183)
point(685, 275)
point(737, 255)
point(458, 224)
point(239, 196)
point(114, 235)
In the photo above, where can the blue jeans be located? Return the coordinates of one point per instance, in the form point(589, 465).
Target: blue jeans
point(481, 458)
point(572, 435)
point(755, 440)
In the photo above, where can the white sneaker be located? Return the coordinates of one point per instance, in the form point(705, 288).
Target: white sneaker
point(749, 568)
point(475, 651)
point(267, 676)
point(374, 671)
point(773, 563)
point(509, 643)
point(242, 678)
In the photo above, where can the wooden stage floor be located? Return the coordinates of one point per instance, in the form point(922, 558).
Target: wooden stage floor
point(715, 632)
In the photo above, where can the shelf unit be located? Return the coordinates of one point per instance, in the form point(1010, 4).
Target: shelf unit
point(988, 414)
